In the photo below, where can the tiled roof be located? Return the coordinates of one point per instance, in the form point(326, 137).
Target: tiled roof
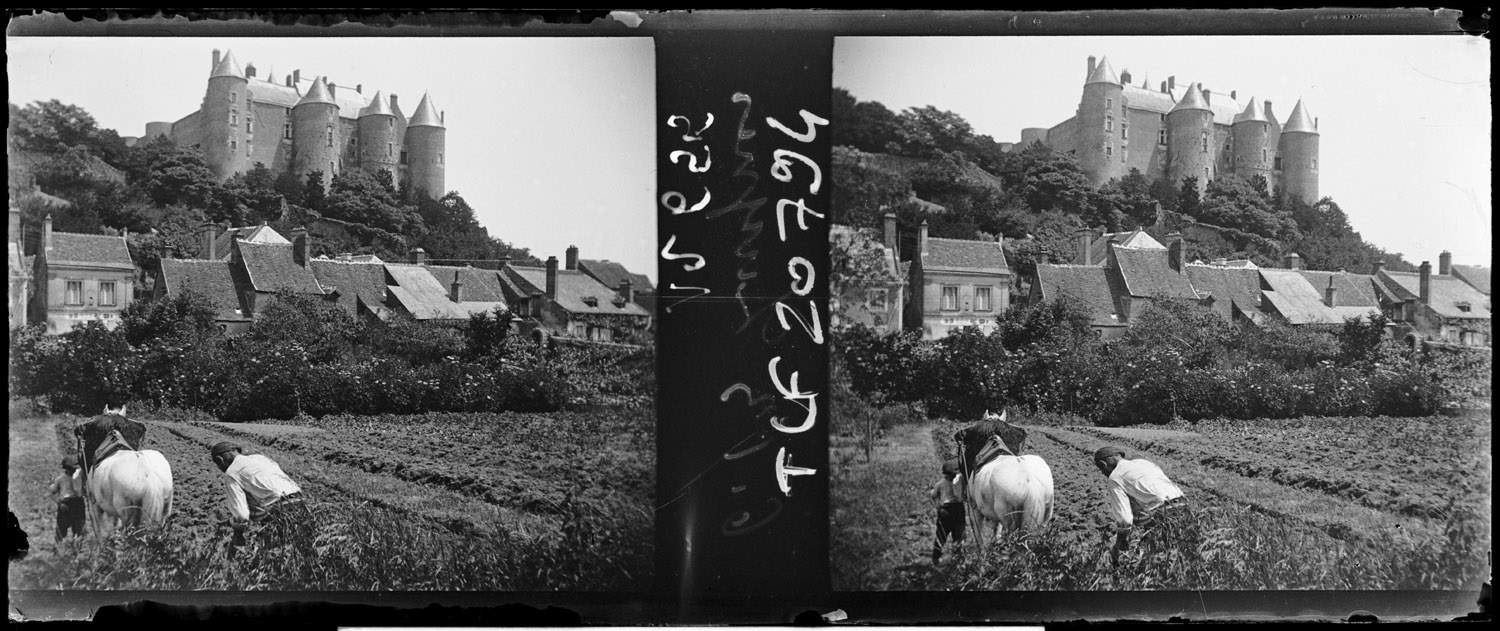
point(255, 234)
point(479, 284)
point(611, 274)
point(212, 279)
point(354, 282)
point(1230, 287)
point(1192, 99)
point(379, 106)
point(572, 288)
point(272, 268)
point(89, 249)
point(1477, 276)
point(318, 93)
point(418, 291)
point(1253, 113)
point(1290, 293)
point(1147, 274)
point(1086, 285)
point(1447, 293)
point(955, 254)
point(1099, 250)
point(1354, 290)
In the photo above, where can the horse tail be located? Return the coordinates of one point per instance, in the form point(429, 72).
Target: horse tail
point(1038, 509)
point(156, 500)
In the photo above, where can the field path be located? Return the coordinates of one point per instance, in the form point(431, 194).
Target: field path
point(34, 461)
point(893, 538)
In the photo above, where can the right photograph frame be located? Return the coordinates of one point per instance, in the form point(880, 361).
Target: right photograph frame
point(1123, 313)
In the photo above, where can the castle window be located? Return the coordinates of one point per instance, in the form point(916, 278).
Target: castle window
point(234, 145)
point(1109, 104)
point(1109, 123)
point(1263, 155)
point(249, 129)
point(390, 122)
point(440, 159)
point(330, 135)
point(1315, 164)
point(234, 117)
point(1278, 163)
point(74, 294)
point(330, 168)
point(234, 96)
point(403, 156)
point(286, 130)
point(247, 148)
point(1161, 136)
point(1124, 131)
point(1109, 151)
point(1124, 154)
point(389, 149)
point(1205, 142)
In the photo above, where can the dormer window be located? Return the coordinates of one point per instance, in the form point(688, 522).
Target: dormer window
point(1464, 307)
point(591, 301)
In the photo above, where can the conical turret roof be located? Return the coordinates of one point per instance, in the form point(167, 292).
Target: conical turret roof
point(318, 93)
point(1193, 100)
point(1299, 121)
point(1103, 74)
point(228, 67)
point(1253, 112)
point(426, 114)
point(379, 106)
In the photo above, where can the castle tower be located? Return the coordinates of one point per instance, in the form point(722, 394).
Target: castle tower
point(1101, 114)
point(378, 146)
point(226, 107)
point(1299, 156)
point(315, 133)
point(1254, 146)
point(1190, 139)
point(426, 142)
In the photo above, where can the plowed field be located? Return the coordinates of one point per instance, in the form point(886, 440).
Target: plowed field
point(427, 502)
point(1307, 504)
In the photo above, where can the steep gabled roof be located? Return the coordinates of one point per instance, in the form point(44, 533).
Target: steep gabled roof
point(417, 291)
point(255, 234)
point(1354, 290)
point(1148, 274)
point(611, 274)
point(271, 267)
point(426, 115)
point(1447, 294)
point(573, 287)
point(352, 283)
point(1099, 249)
point(89, 249)
point(1086, 285)
point(1230, 287)
point(1292, 296)
point(1299, 121)
point(211, 279)
point(318, 93)
point(1477, 276)
point(480, 285)
point(965, 255)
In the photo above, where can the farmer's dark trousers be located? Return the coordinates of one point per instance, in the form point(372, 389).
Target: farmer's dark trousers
point(950, 522)
point(70, 517)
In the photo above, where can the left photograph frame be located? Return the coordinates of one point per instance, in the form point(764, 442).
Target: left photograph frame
point(313, 334)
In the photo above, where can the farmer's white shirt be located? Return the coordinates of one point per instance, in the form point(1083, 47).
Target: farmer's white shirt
point(259, 477)
point(1137, 485)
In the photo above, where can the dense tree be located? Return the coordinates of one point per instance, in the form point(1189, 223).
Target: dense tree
point(1232, 202)
point(1052, 180)
point(357, 196)
point(55, 127)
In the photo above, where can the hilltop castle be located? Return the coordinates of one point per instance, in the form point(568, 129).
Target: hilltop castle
point(1175, 133)
point(300, 126)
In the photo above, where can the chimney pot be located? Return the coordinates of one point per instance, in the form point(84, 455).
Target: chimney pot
point(1085, 239)
point(1234, 94)
point(922, 239)
point(216, 60)
point(1092, 63)
point(1331, 294)
point(1172, 82)
point(210, 238)
point(1425, 292)
point(359, 87)
point(1175, 252)
point(1445, 263)
point(552, 278)
point(418, 256)
point(296, 77)
point(572, 258)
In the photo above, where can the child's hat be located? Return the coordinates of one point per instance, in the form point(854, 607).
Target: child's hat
point(951, 466)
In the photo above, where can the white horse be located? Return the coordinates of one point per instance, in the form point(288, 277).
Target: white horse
point(128, 487)
point(1008, 491)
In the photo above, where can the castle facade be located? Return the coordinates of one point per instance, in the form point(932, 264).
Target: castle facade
point(1176, 132)
point(300, 126)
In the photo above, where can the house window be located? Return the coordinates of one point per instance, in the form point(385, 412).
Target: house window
point(877, 299)
point(330, 168)
point(1278, 163)
point(330, 135)
point(107, 294)
point(286, 130)
point(1464, 307)
point(981, 298)
point(950, 299)
point(74, 294)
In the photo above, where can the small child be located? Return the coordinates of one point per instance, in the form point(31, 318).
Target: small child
point(947, 494)
point(67, 490)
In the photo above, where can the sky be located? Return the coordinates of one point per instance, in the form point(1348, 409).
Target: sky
point(1404, 121)
point(551, 140)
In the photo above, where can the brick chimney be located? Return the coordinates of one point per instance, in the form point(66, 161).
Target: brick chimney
point(250, 71)
point(1293, 261)
point(1445, 263)
point(1125, 76)
point(301, 247)
point(1379, 266)
point(1425, 292)
point(394, 106)
point(1092, 63)
point(1174, 252)
point(217, 57)
point(296, 78)
point(333, 90)
point(418, 256)
point(1084, 239)
point(458, 288)
point(572, 258)
point(210, 237)
point(890, 231)
point(627, 290)
point(1270, 113)
point(1331, 294)
point(552, 278)
point(1172, 83)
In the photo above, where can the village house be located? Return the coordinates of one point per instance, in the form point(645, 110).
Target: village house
point(879, 301)
point(81, 278)
point(1438, 309)
point(573, 304)
point(957, 283)
point(615, 276)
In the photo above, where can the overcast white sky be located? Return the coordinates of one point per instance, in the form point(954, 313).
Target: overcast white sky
point(552, 141)
point(1405, 121)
